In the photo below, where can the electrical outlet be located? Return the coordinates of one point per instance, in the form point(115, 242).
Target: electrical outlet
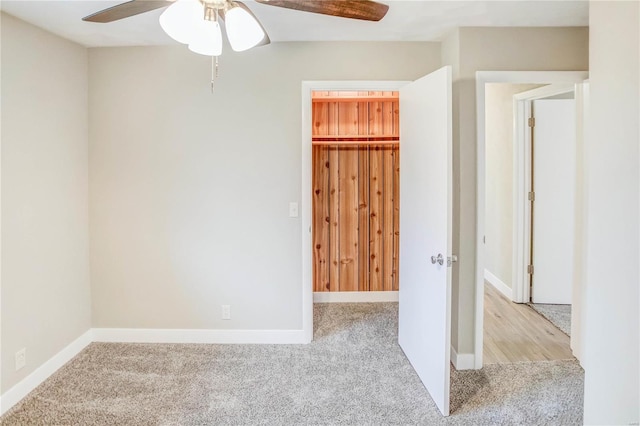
point(21, 358)
point(226, 312)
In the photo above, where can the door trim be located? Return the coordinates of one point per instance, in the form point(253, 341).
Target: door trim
point(306, 201)
point(483, 77)
point(522, 183)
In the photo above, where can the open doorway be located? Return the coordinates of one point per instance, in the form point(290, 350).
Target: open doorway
point(548, 116)
point(426, 194)
point(356, 195)
point(307, 201)
point(516, 333)
point(520, 238)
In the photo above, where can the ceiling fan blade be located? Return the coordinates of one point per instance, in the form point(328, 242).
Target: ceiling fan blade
point(367, 10)
point(124, 10)
point(266, 40)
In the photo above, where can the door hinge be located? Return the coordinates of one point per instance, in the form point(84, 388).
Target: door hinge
point(532, 122)
point(530, 269)
point(531, 196)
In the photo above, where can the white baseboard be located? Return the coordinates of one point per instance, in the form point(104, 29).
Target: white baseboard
point(42, 373)
point(354, 296)
point(140, 335)
point(462, 361)
point(498, 284)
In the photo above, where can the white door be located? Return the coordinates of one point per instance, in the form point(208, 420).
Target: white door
point(425, 225)
point(554, 171)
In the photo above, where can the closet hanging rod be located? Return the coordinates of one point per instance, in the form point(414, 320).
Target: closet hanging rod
point(355, 142)
point(355, 137)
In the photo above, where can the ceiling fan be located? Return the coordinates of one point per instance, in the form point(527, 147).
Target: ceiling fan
point(212, 10)
point(196, 23)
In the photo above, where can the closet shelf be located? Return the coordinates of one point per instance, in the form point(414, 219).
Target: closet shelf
point(363, 98)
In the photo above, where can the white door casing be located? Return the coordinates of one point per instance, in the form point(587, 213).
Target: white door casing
point(426, 228)
point(578, 298)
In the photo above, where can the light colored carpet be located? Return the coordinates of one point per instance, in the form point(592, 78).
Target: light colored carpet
point(354, 373)
point(559, 315)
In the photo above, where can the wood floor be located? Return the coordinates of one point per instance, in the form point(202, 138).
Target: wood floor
point(514, 332)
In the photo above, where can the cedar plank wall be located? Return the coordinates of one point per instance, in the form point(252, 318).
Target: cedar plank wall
point(355, 192)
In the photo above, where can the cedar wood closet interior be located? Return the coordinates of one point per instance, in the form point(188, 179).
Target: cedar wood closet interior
point(356, 186)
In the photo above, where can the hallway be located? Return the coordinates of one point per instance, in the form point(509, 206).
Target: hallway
point(515, 332)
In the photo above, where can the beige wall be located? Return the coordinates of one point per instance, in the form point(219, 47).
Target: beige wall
point(611, 338)
point(190, 190)
point(498, 255)
point(492, 49)
point(45, 241)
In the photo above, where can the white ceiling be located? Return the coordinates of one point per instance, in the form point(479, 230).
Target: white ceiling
point(407, 20)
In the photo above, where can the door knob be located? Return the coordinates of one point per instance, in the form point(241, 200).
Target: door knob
point(439, 260)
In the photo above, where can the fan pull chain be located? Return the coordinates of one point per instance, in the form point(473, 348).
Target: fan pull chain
point(214, 71)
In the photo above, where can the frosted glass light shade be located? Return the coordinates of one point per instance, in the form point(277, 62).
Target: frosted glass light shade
point(207, 38)
point(179, 18)
point(243, 31)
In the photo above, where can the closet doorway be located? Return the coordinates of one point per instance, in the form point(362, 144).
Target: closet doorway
point(355, 195)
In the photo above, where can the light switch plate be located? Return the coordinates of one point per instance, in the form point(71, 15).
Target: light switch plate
point(293, 209)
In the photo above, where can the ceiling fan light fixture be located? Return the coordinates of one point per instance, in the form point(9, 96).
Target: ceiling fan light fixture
point(178, 19)
point(243, 31)
point(195, 22)
point(207, 39)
